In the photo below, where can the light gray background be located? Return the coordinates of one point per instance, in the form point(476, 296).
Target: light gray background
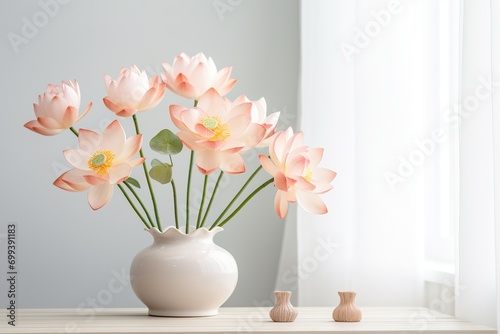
point(70, 256)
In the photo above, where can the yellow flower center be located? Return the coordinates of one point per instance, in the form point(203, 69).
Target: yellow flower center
point(220, 130)
point(101, 161)
point(308, 175)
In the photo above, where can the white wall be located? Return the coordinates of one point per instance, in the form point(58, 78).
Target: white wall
point(68, 254)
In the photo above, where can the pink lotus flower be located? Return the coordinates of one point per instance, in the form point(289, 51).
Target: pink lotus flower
point(100, 161)
point(259, 115)
point(296, 173)
point(191, 77)
point(57, 109)
point(132, 92)
point(218, 131)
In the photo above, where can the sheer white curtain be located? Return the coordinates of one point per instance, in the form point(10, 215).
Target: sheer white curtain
point(412, 215)
point(479, 234)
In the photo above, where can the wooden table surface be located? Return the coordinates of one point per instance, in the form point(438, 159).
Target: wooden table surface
point(235, 320)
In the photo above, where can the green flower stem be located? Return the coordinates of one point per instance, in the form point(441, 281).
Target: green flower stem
point(188, 195)
point(249, 197)
point(174, 193)
point(212, 198)
point(235, 198)
point(153, 199)
point(188, 191)
point(133, 206)
point(140, 202)
point(74, 131)
point(175, 204)
point(205, 181)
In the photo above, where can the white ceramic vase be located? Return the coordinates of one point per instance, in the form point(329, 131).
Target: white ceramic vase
point(183, 275)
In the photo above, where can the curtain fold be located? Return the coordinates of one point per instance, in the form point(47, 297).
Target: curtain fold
point(327, 86)
point(479, 149)
point(363, 75)
point(495, 69)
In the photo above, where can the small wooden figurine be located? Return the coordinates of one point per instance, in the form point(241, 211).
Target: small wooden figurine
point(347, 311)
point(283, 310)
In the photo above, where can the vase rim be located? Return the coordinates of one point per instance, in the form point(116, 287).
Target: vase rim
point(172, 231)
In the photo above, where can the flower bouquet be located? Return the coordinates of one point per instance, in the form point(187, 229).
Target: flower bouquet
point(183, 273)
point(216, 130)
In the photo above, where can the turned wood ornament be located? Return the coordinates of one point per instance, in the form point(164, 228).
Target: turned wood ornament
point(347, 311)
point(283, 310)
